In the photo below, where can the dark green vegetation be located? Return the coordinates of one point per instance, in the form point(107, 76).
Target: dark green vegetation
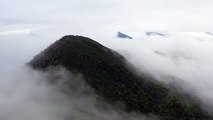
point(106, 71)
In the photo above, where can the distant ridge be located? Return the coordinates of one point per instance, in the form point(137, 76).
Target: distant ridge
point(209, 33)
point(122, 35)
point(154, 34)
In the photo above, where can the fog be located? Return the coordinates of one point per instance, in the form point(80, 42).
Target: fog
point(182, 58)
point(28, 27)
point(27, 94)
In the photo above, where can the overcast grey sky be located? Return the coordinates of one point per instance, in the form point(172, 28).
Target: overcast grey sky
point(126, 15)
point(48, 20)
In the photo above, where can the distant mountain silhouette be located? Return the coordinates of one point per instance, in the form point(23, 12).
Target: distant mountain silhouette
point(174, 56)
point(33, 34)
point(154, 34)
point(122, 35)
point(108, 74)
point(209, 33)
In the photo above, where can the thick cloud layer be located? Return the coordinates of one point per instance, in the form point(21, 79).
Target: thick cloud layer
point(25, 94)
point(185, 56)
point(27, 27)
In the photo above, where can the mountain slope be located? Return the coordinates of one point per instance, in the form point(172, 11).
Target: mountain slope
point(106, 71)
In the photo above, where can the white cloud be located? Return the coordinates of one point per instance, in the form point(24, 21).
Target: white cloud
point(21, 31)
point(26, 95)
point(101, 20)
point(181, 55)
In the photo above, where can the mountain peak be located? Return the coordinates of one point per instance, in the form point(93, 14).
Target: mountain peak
point(107, 73)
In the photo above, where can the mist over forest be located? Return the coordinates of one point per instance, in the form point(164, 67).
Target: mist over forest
point(170, 41)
